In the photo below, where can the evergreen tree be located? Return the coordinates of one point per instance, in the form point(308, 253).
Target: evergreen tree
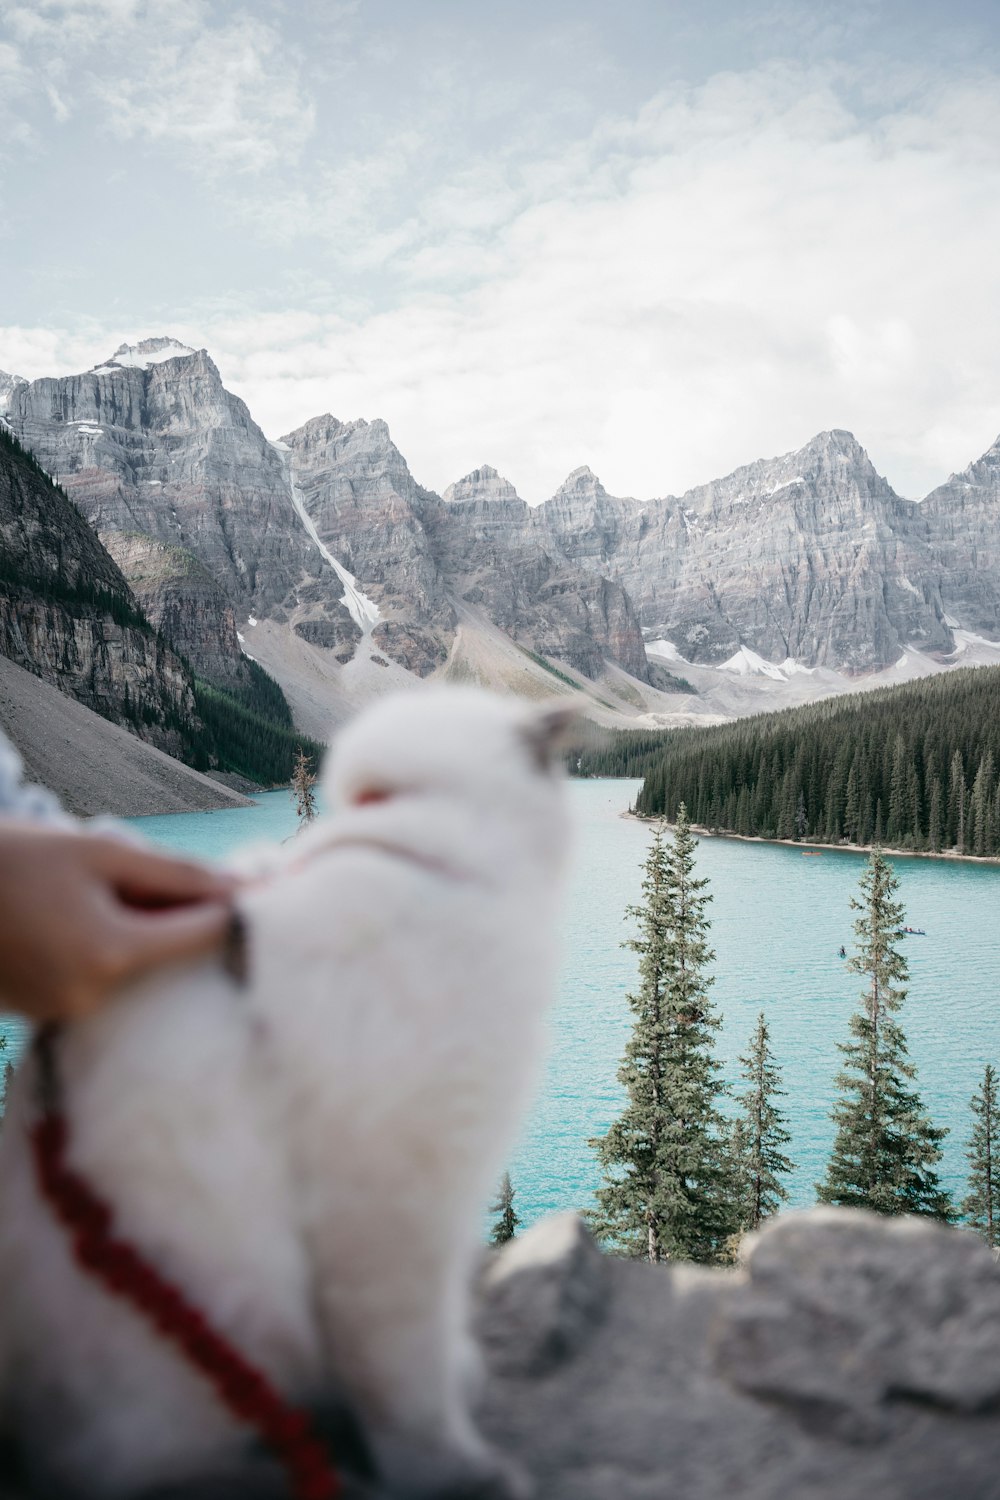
point(886, 1148)
point(916, 765)
point(669, 1186)
point(981, 807)
point(981, 1206)
point(934, 817)
point(759, 1133)
point(8, 1073)
point(956, 802)
point(303, 781)
point(506, 1225)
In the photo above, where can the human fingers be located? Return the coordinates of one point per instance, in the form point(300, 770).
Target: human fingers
point(145, 940)
point(147, 877)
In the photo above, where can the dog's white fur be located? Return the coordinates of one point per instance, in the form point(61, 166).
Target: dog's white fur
point(308, 1157)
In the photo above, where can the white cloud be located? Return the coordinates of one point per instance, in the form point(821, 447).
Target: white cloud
point(227, 94)
point(713, 279)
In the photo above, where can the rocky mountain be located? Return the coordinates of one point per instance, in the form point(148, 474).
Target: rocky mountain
point(68, 616)
point(182, 600)
point(501, 554)
point(955, 537)
point(150, 444)
point(324, 532)
point(8, 384)
point(803, 557)
point(808, 563)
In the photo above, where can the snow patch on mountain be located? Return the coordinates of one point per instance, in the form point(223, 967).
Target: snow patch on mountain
point(363, 611)
point(666, 650)
point(747, 663)
point(140, 356)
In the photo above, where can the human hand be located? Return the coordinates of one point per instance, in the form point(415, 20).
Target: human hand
point(81, 913)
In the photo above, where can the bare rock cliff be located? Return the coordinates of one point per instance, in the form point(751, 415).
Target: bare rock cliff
point(68, 616)
point(801, 556)
point(151, 442)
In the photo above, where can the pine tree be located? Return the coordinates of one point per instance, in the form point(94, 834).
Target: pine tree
point(506, 1225)
point(956, 801)
point(981, 1206)
point(669, 1188)
point(934, 817)
point(886, 1148)
point(852, 803)
point(303, 782)
point(981, 807)
point(801, 821)
point(8, 1073)
point(760, 1133)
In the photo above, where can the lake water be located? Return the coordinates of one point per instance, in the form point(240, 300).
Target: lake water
point(778, 920)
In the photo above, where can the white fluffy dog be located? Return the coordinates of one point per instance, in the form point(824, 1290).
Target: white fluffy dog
point(308, 1154)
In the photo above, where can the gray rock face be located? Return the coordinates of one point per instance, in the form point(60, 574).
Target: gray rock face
point(802, 556)
point(180, 597)
point(417, 555)
point(956, 541)
point(68, 616)
point(482, 484)
point(498, 552)
point(150, 445)
point(367, 508)
point(8, 384)
point(852, 1355)
point(810, 556)
point(164, 450)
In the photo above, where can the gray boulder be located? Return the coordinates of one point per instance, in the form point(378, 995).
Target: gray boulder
point(849, 1355)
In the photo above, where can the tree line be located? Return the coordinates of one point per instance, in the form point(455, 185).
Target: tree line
point(909, 767)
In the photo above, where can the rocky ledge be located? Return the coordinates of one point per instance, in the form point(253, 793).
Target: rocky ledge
point(849, 1355)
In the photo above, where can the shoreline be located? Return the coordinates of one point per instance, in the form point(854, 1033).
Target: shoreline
point(808, 847)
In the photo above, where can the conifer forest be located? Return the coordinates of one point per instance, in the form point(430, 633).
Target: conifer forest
point(910, 767)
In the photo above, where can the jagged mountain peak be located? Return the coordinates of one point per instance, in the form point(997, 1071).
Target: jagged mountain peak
point(358, 435)
point(830, 458)
point(8, 385)
point(837, 442)
point(976, 485)
point(484, 483)
point(582, 482)
point(145, 353)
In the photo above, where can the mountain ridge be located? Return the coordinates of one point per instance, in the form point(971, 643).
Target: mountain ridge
point(807, 560)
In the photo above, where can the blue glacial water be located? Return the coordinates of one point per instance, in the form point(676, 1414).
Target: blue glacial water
point(778, 920)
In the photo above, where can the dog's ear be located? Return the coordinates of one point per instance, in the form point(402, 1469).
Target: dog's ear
point(549, 731)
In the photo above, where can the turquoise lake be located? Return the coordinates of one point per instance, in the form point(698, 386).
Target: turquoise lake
point(778, 920)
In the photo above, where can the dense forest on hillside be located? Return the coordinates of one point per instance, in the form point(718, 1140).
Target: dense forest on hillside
point(913, 767)
point(251, 741)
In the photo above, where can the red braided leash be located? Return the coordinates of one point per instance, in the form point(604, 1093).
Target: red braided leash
point(243, 1389)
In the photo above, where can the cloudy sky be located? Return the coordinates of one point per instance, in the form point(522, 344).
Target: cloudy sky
point(660, 238)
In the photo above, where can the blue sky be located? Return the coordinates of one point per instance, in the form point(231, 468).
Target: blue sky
point(659, 238)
